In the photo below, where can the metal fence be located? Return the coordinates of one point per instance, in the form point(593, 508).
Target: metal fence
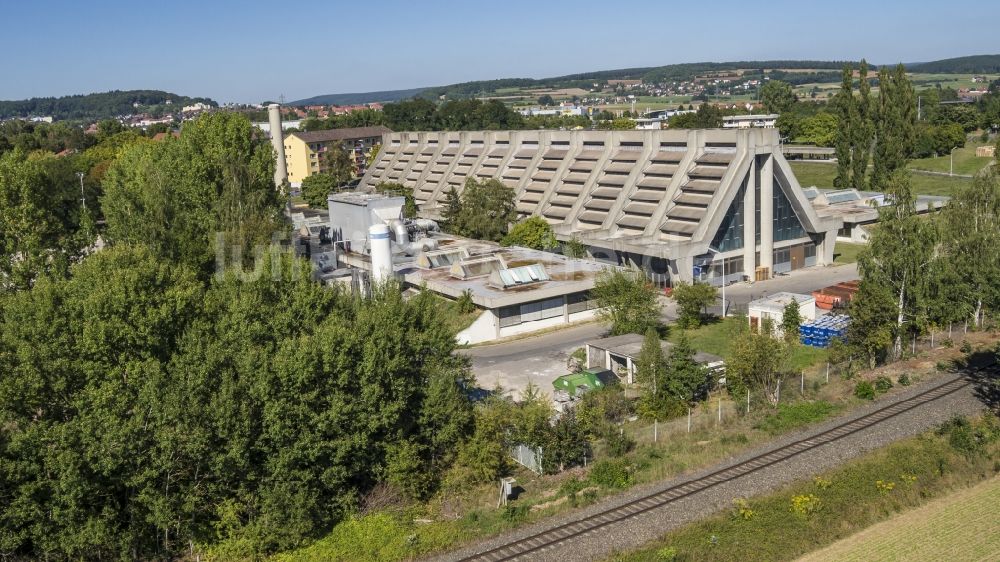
point(528, 457)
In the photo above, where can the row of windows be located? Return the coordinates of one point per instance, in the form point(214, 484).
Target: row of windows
point(530, 312)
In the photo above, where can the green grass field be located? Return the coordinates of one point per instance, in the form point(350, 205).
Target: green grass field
point(845, 252)
point(966, 162)
point(821, 175)
point(717, 338)
point(961, 526)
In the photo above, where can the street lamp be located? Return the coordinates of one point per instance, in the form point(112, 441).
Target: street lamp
point(951, 161)
point(717, 253)
point(83, 198)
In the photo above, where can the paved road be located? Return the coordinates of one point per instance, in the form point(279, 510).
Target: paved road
point(541, 359)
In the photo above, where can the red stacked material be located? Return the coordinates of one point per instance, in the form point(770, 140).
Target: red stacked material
point(835, 296)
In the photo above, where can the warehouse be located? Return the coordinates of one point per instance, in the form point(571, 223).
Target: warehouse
point(679, 204)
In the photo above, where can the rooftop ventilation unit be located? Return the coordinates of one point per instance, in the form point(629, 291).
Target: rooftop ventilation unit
point(442, 258)
point(477, 267)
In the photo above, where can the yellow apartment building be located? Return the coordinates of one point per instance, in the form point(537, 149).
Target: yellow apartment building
point(304, 150)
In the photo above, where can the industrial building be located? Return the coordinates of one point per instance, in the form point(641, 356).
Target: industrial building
point(517, 290)
point(706, 205)
point(620, 355)
point(304, 151)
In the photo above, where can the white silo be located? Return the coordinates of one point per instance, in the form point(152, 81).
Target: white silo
point(381, 253)
point(278, 142)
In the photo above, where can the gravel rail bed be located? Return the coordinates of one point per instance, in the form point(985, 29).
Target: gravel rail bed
point(644, 527)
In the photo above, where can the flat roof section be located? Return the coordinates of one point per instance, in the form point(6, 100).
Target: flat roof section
point(629, 345)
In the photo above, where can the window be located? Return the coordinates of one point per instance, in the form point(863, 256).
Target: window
point(580, 302)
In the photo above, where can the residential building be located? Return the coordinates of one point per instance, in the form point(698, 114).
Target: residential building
point(304, 151)
point(749, 121)
point(707, 204)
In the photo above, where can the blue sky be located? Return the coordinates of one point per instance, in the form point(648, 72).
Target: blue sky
point(251, 50)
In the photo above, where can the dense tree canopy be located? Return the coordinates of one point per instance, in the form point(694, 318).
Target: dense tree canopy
point(532, 232)
point(483, 210)
point(628, 300)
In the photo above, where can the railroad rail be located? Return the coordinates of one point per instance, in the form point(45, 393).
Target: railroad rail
point(564, 532)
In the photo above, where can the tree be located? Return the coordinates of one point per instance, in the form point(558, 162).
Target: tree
point(755, 362)
point(482, 211)
point(176, 196)
point(894, 267)
point(692, 298)
point(546, 99)
point(684, 378)
point(777, 96)
point(338, 164)
point(790, 321)
point(861, 130)
point(399, 190)
point(651, 366)
point(820, 129)
point(533, 232)
point(844, 105)
point(971, 249)
point(567, 445)
point(627, 300)
point(316, 188)
point(573, 248)
point(895, 126)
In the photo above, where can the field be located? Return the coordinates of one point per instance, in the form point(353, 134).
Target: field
point(821, 175)
point(845, 252)
point(966, 162)
point(874, 488)
point(961, 526)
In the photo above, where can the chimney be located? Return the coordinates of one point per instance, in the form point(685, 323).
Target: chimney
point(278, 142)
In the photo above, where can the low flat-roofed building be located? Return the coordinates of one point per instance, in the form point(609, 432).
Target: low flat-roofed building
point(772, 307)
point(619, 354)
point(750, 121)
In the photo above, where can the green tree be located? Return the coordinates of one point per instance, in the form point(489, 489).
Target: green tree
point(755, 362)
point(627, 300)
point(178, 195)
point(484, 210)
point(895, 126)
point(651, 366)
point(685, 378)
point(692, 299)
point(451, 215)
point(820, 129)
point(844, 104)
point(338, 164)
point(791, 318)
point(893, 295)
point(567, 444)
point(777, 96)
point(546, 99)
point(399, 190)
point(316, 188)
point(861, 130)
point(532, 232)
point(573, 248)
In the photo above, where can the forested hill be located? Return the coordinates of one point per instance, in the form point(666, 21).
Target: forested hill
point(975, 64)
point(98, 106)
point(985, 64)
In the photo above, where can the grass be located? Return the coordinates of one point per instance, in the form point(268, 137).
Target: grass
point(717, 338)
point(966, 162)
point(866, 491)
point(821, 175)
point(796, 415)
point(960, 526)
point(846, 252)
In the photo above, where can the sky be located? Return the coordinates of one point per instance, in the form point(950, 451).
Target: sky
point(250, 51)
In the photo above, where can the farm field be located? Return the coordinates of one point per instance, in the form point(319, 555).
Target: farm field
point(961, 526)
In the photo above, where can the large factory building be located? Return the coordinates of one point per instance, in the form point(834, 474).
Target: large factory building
point(680, 204)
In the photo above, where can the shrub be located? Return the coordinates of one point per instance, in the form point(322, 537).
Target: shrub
point(908, 479)
point(904, 380)
point(464, 303)
point(864, 390)
point(667, 554)
point(742, 509)
point(619, 444)
point(966, 347)
point(805, 505)
point(513, 513)
point(611, 473)
point(884, 487)
point(883, 384)
point(948, 343)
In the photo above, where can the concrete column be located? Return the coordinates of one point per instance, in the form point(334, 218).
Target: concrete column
point(824, 250)
point(682, 269)
point(750, 223)
point(767, 213)
point(565, 310)
point(278, 142)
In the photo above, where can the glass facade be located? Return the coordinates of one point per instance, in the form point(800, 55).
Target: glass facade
point(786, 223)
point(730, 234)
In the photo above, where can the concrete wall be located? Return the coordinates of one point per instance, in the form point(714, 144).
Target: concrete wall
point(481, 330)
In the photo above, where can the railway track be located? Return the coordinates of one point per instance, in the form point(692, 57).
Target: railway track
point(524, 547)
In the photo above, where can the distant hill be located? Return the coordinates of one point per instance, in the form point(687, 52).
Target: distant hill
point(975, 64)
point(357, 98)
point(98, 106)
point(827, 71)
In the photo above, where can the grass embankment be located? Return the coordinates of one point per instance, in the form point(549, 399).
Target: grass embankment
point(966, 162)
point(810, 514)
point(846, 252)
point(961, 526)
point(821, 175)
point(717, 338)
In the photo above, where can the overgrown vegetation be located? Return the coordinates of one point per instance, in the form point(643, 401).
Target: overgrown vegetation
point(484, 210)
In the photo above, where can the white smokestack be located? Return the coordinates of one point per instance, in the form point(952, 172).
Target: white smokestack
point(278, 142)
point(381, 253)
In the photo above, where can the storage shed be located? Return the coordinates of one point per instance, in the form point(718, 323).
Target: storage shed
point(772, 308)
